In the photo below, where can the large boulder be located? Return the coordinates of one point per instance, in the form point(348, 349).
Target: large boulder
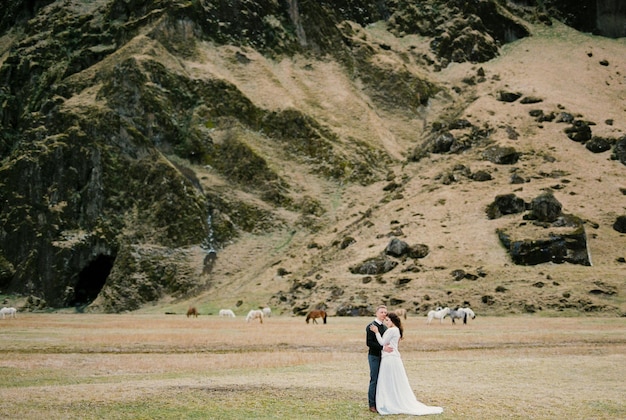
point(501, 155)
point(418, 251)
point(551, 237)
point(443, 142)
point(619, 150)
point(579, 131)
point(376, 265)
point(553, 247)
point(545, 208)
point(396, 248)
point(505, 204)
point(598, 144)
point(506, 96)
point(620, 224)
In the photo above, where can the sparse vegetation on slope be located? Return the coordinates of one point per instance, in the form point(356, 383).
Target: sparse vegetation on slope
point(271, 153)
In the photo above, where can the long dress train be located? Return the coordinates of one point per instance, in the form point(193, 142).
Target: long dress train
point(393, 392)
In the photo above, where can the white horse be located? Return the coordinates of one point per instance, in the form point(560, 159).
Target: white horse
point(267, 312)
point(469, 312)
point(462, 313)
point(11, 312)
point(458, 313)
point(440, 314)
point(227, 312)
point(255, 314)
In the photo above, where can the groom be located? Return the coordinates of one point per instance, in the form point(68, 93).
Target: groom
point(374, 354)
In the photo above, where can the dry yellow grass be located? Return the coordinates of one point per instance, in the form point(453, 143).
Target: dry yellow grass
point(169, 366)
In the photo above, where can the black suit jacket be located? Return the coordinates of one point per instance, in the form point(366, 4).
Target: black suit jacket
point(375, 348)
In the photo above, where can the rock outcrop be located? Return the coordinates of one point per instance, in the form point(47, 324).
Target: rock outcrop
point(552, 237)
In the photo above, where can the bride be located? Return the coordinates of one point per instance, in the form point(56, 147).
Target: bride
point(393, 392)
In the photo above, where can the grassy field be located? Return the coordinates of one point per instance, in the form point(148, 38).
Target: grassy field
point(132, 366)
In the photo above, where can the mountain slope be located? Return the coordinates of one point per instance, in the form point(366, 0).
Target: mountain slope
point(451, 219)
point(193, 153)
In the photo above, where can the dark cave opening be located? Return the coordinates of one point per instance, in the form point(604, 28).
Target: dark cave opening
point(91, 280)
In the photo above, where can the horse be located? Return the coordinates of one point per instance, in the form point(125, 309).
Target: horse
point(267, 312)
point(255, 314)
point(440, 314)
point(318, 313)
point(11, 312)
point(227, 312)
point(469, 312)
point(400, 312)
point(192, 311)
point(458, 313)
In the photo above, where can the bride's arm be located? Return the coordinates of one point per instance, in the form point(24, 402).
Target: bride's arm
point(387, 346)
point(384, 340)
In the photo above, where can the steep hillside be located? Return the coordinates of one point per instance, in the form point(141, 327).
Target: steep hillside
point(435, 201)
point(301, 155)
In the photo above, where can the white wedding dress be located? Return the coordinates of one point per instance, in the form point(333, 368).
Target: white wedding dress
point(393, 392)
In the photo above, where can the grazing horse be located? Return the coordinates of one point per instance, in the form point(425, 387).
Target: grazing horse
point(400, 312)
point(192, 311)
point(440, 314)
point(11, 312)
point(318, 313)
point(469, 312)
point(458, 313)
point(227, 312)
point(267, 312)
point(255, 314)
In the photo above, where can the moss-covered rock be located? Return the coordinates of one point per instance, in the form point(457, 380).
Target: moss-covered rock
point(145, 274)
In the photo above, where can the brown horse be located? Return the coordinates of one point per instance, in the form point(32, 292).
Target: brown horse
point(401, 313)
point(192, 311)
point(318, 313)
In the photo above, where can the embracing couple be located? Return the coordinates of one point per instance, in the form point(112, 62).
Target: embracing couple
point(389, 391)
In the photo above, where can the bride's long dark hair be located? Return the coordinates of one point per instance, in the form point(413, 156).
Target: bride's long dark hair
point(396, 321)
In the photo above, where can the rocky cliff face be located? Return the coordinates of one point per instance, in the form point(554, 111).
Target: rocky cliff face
point(603, 17)
point(110, 109)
